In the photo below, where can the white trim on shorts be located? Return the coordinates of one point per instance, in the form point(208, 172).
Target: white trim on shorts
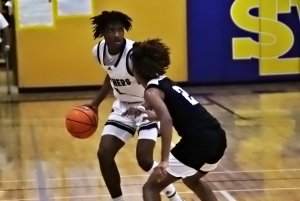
point(178, 169)
point(118, 129)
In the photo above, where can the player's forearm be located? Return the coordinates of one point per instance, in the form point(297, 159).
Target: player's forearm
point(166, 137)
point(103, 92)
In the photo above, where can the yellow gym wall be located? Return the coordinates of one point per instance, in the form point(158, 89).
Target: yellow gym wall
point(62, 55)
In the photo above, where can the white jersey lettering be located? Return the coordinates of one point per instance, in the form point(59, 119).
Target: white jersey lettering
point(119, 69)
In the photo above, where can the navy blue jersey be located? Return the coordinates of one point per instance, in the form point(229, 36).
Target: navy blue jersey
point(189, 116)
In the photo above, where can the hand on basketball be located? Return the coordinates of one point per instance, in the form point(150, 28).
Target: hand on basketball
point(160, 170)
point(149, 115)
point(134, 112)
point(93, 107)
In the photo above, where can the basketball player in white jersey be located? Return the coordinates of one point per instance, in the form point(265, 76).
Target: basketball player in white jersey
point(113, 54)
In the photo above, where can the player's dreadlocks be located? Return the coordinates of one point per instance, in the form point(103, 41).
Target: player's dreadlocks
point(106, 18)
point(150, 58)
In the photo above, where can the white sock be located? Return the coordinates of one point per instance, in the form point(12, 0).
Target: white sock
point(118, 198)
point(170, 190)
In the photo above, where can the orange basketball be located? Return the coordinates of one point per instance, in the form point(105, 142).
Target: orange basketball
point(81, 122)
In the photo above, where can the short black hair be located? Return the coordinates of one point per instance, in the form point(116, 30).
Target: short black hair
point(106, 18)
point(150, 58)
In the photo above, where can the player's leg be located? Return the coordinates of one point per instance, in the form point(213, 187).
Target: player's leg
point(153, 187)
point(200, 188)
point(177, 170)
point(196, 155)
point(148, 133)
point(116, 132)
point(108, 148)
point(147, 136)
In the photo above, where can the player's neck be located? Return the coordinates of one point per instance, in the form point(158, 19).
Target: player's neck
point(114, 51)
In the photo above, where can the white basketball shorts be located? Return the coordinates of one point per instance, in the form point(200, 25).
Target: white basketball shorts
point(178, 169)
point(124, 127)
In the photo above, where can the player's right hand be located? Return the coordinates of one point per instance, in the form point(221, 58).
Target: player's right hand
point(93, 107)
point(160, 170)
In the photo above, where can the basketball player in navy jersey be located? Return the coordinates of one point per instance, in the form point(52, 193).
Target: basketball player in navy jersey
point(113, 54)
point(203, 141)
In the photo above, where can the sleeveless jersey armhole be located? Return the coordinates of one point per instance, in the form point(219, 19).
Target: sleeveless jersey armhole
point(162, 93)
point(128, 66)
point(98, 52)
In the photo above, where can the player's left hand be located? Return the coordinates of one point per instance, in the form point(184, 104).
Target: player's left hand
point(134, 112)
point(149, 115)
point(160, 170)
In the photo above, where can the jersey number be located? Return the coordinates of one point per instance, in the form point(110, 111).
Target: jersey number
point(185, 95)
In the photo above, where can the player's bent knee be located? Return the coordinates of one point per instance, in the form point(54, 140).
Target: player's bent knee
point(104, 154)
point(148, 186)
point(144, 154)
point(145, 162)
point(153, 186)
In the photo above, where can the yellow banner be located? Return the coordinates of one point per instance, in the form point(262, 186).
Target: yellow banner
point(275, 38)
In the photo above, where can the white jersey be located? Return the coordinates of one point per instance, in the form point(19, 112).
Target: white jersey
point(119, 69)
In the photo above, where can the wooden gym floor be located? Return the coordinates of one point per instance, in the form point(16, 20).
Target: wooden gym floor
point(39, 160)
